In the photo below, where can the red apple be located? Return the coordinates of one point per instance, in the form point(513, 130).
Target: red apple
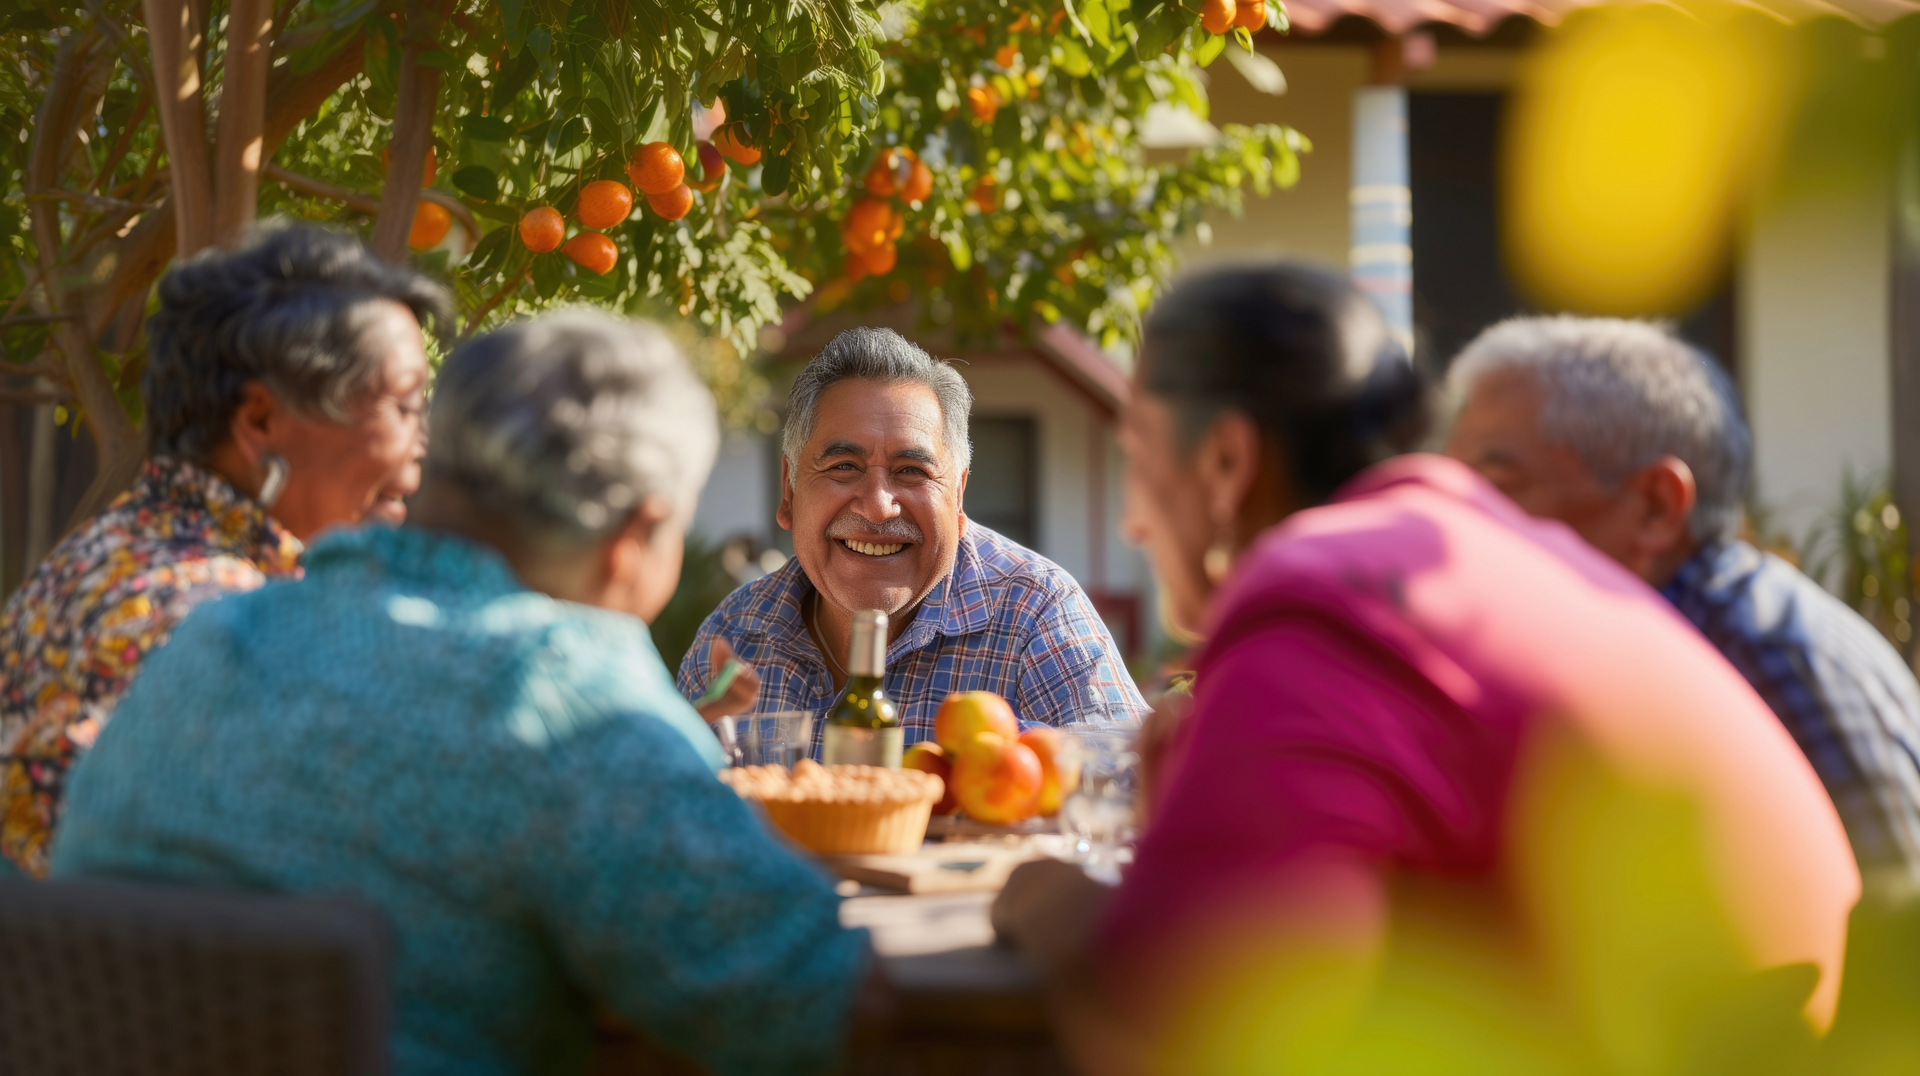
point(967, 714)
point(997, 780)
point(1059, 767)
point(929, 758)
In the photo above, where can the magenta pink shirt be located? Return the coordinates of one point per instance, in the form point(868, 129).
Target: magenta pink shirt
point(1372, 669)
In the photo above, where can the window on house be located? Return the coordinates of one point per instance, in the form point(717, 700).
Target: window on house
point(1002, 490)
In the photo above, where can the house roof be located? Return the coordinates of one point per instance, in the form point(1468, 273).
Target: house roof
point(1076, 359)
point(1479, 17)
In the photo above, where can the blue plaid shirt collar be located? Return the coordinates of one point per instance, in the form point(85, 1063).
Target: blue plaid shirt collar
point(959, 604)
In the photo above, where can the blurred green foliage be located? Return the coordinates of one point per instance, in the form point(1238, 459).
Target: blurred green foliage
point(704, 583)
point(1859, 550)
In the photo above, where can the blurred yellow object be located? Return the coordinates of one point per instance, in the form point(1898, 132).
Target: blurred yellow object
point(1635, 136)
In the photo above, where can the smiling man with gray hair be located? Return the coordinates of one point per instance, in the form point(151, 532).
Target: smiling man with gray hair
point(872, 478)
point(1635, 440)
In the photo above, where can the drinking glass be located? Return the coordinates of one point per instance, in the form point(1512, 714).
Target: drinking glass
point(775, 738)
point(1097, 819)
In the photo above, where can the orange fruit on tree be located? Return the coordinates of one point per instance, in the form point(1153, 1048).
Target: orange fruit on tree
point(604, 203)
point(1251, 16)
point(712, 167)
point(542, 229)
point(880, 260)
point(881, 179)
point(856, 268)
point(426, 176)
point(985, 193)
point(672, 205)
point(1025, 20)
point(656, 168)
point(1006, 54)
point(984, 101)
point(732, 144)
point(1217, 15)
point(592, 251)
point(867, 225)
point(919, 183)
point(431, 222)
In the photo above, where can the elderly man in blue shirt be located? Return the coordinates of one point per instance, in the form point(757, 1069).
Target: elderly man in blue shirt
point(1636, 441)
point(873, 471)
point(464, 723)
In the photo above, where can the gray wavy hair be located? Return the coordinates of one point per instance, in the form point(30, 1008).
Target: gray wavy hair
point(1622, 394)
point(565, 423)
point(877, 355)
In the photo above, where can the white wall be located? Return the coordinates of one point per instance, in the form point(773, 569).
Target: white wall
point(738, 497)
point(1814, 346)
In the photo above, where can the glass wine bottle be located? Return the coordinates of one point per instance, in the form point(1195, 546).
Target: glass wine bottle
point(863, 728)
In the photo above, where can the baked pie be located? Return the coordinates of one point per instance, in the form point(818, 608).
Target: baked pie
point(842, 810)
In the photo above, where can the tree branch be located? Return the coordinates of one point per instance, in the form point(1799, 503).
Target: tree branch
point(141, 255)
point(34, 396)
point(479, 317)
point(243, 109)
point(418, 92)
point(320, 189)
point(61, 112)
point(174, 36)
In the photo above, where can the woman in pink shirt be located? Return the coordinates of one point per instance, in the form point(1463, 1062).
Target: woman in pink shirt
point(1452, 787)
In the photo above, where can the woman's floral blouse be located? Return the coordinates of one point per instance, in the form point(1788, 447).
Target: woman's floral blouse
point(72, 638)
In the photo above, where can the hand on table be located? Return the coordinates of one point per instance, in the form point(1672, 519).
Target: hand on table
point(1047, 911)
point(740, 696)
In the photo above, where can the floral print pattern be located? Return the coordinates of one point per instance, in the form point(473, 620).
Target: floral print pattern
point(72, 637)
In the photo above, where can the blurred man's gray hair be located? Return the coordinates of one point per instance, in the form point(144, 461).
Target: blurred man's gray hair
point(563, 424)
point(1622, 394)
point(877, 355)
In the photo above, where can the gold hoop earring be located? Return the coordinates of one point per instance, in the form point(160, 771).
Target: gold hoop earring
point(1219, 558)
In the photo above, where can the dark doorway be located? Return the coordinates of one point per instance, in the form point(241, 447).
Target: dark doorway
point(1002, 485)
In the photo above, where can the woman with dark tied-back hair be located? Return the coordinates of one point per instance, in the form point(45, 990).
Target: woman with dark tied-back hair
point(1434, 750)
point(284, 391)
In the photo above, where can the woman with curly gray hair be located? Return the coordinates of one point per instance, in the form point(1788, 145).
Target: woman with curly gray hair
point(284, 388)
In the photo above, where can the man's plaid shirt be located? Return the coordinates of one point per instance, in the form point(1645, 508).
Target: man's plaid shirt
point(1839, 687)
point(1005, 620)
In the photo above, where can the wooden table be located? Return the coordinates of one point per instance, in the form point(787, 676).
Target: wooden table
point(966, 1005)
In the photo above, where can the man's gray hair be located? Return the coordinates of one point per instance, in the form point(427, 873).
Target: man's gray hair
point(877, 355)
point(563, 424)
point(1622, 394)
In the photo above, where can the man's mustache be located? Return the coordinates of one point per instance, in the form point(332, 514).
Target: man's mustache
point(851, 525)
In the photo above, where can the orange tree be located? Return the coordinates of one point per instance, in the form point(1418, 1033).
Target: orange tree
point(500, 145)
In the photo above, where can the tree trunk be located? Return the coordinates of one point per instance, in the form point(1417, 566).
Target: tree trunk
point(240, 152)
point(79, 74)
point(418, 92)
point(177, 39)
point(142, 254)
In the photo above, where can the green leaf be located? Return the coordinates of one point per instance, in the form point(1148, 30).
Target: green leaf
point(1210, 48)
point(479, 182)
point(439, 58)
point(571, 134)
point(776, 175)
point(510, 11)
point(958, 251)
point(606, 129)
point(486, 128)
point(549, 270)
point(1157, 33)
